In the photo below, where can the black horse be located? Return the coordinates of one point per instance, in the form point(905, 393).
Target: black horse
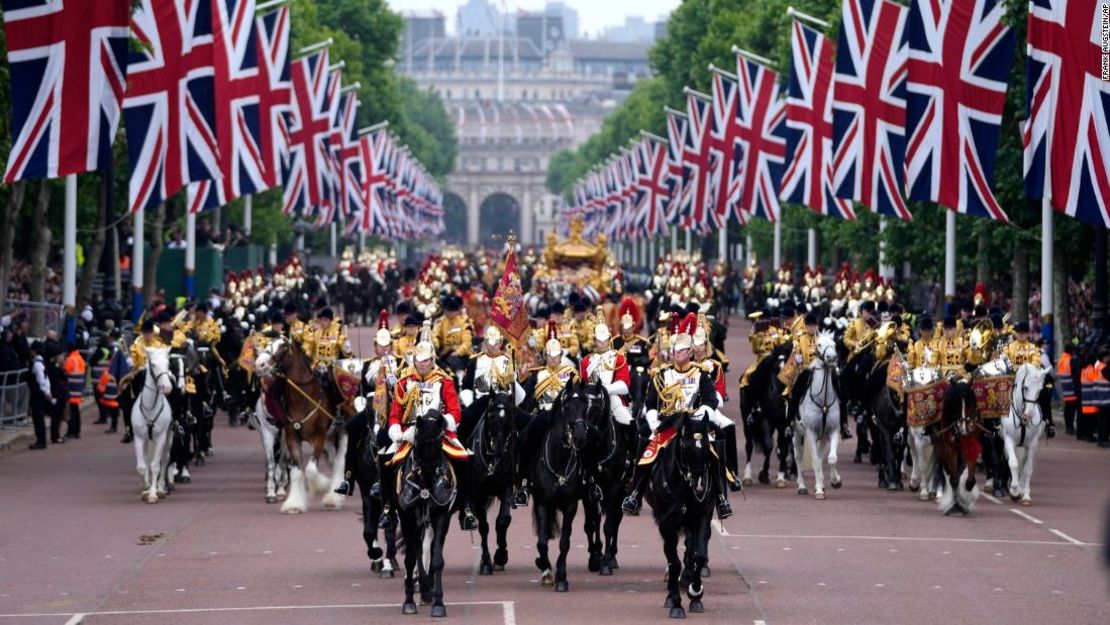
point(558, 474)
point(886, 418)
point(610, 455)
point(426, 490)
point(367, 472)
point(493, 441)
point(683, 494)
point(763, 408)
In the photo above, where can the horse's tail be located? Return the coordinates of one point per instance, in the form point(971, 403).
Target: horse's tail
point(552, 531)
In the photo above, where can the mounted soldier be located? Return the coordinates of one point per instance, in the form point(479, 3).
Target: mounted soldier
point(453, 337)
point(489, 372)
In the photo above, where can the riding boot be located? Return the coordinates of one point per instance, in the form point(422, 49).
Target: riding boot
point(724, 509)
point(731, 459)
point(631, 504)
point(356, 433)
point(845, 431)
point(467, 521)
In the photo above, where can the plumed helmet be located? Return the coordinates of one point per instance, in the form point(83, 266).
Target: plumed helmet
point(684, 337)
point(383, 337)
point(493, 336)
point(630, 314)
point(425, 350)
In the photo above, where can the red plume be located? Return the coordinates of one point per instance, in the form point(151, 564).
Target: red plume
point(672, 327)
point(628, 306)
point(383, 320)
point(552, 329)
point(689, 324)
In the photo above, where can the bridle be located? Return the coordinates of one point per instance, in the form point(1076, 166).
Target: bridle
point(479, 436)
point(566, 441)
point(1017, 413)
point(159, 401)
point(701, 439)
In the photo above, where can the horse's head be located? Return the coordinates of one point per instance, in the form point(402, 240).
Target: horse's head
point(960, 410)
point(1029, 381)
point(158, 369)
point(497, 423)
point(693, 454)
point(571, 413)
point(267, 360)
point(429, 430)
point(826, 348)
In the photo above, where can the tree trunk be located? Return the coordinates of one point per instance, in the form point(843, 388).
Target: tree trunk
point(154, 243)
point(1061, 316)
point(40, 253)
point(92, 258)
point(1019, 268)
point(982, 268)
point(8, 217)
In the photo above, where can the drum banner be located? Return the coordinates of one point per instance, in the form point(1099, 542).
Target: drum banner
point(992, 396)
point(790, 371)
point(248, 355)
point(896, 375)
point(347, 381)
point(924, 403)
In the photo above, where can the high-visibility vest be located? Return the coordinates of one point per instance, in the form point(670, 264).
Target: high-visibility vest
point(1094, 388)
point(75, 374)
point(1067, 385)
point(97, 370)
point(109, 391)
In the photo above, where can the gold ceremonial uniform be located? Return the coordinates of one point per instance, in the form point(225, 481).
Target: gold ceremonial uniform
point(138, 350)
point(325, 345)
point(584, 331)
point(568, 337)
point(805, 345)
point(453, 336)
point(206, 331)
point(403, 345)
point(951, 353)
point(923, 353)
point(856, 332)
point(1023, 352)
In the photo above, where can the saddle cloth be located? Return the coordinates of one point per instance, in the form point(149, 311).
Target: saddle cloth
point(924, 403)
point(451, 448)
point(658, 441)
point(992, 396)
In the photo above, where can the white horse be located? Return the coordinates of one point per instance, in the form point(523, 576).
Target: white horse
point(277, 464)
point(151, 418)
point(921, 444)
point(819, 419)
point(310, 480)
point(1022, 428)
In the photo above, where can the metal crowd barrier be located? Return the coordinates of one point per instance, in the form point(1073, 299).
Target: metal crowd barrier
point(14, 398)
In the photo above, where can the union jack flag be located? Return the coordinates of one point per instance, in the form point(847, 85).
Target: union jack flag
point(68, 60)
point(276, 91)
point(238, 89)
point(960, 54)
point(692, 214)
point(869, 106)
point(346, 154)
point(170, 111)
point(653, 184)
point(676, 171)
point(372, 149)
point(307, 177)
point(762, 136)
point(726, 176)
point(1067, 137)
point(808, 176)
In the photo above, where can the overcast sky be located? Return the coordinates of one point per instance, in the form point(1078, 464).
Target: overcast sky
point(593, 15)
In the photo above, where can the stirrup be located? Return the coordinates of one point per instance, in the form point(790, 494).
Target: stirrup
point(724, 509)
point(735, 485)
point(521, 497)
point(376, 490)
point(385, 521)
point(344, 488)
point(468, 522)
point(631, 505)
point(845, 432)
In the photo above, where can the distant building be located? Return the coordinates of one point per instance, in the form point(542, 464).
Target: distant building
point(634, 30)
point(477, 18)
point(422, 29)
point(543, 30)
point(569, 15)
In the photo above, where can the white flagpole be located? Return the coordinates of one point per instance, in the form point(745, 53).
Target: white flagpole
point(747, 247)
point(777, 258)
point(137, 263)
point(331, 248)
point(190, 252)
point(674, 239)
point(949, 256)
point(722, 244)
point(69, 266)
point(247, 206)
point(689, 241)
point(811, 248)
point(1047, 292)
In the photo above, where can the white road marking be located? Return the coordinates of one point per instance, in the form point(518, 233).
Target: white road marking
point(1069, 538)
point(759, 622)
point(261, 608)
point(75, 619)
point(508, 609)
point(985, 541)
point(992, 498)
point(720, 528)
point(1028, 517)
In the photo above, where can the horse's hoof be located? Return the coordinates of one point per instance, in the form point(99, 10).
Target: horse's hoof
point(764, 478)
point(613, 564)
point(836, 485)
point(914, 486)
point(668, 603)
point(677, 612)
point(375, 554)
point(780, 483)
point(594, 565)
point(606, 570)
point(547, 578)
point(803, 491)
point(184, 479)
point(1026, 502)
point(271, 499)
point(922, 496)
point(697, 607)
point(497, 568)
point(746, 481)
point(705, 572)
point(439, 611)
point(894, 486)
point(500, 559)
point(388, 573)
point(1015, 497)
point(562, 586)
point(408, 608)
point(376, 567)
point(425, 597)
point(883, 483)
point(485, 569)
point(819, 496)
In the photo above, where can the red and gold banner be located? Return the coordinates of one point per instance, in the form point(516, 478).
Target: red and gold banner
point(924, 404)
point(507, 309)
point(992, 396)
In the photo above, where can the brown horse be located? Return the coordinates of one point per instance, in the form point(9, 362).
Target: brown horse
point(956, 442)
point(311, 416)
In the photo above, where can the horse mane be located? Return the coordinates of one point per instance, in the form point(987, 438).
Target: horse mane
point(955, 399)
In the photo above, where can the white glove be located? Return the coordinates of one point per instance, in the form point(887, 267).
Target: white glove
point(395, 432)
point(652, 417)
point(798, 358)
point(466, 397)
point(452, 424)
point(409, 435)
point(617, 388)
point(702, 412)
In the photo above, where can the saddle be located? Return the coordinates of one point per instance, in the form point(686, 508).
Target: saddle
point(442, 493)
point(451, 448)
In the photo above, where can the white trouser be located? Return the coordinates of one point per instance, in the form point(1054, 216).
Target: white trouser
point(621, 413)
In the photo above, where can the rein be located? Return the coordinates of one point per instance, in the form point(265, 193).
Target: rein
point(152, 384)
point(823, 393)
point(572, 459)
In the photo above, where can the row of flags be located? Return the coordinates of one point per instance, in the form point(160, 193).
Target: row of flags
point(908, 105)
point(214, 105)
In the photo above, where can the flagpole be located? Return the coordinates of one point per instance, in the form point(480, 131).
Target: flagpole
point(674, 239)
point(1048, 299)
point(331, 248)
point(248, 201)
point(748, 256)
point(190, 252)
point(722, 243)
point(792, 12)
point(811, 248)
point(69, 266)
point(777, 256)
point(949, 256)
point(137, 233)
point(689, 240)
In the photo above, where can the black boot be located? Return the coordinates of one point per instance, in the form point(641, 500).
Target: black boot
point(520, 499)
point(385, 521)
point(732, 460)
point(344, 487)
point(724, 509)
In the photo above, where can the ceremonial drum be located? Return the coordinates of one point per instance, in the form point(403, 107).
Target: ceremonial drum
point(348, 377)
point(924, 396)
point(993, 385)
